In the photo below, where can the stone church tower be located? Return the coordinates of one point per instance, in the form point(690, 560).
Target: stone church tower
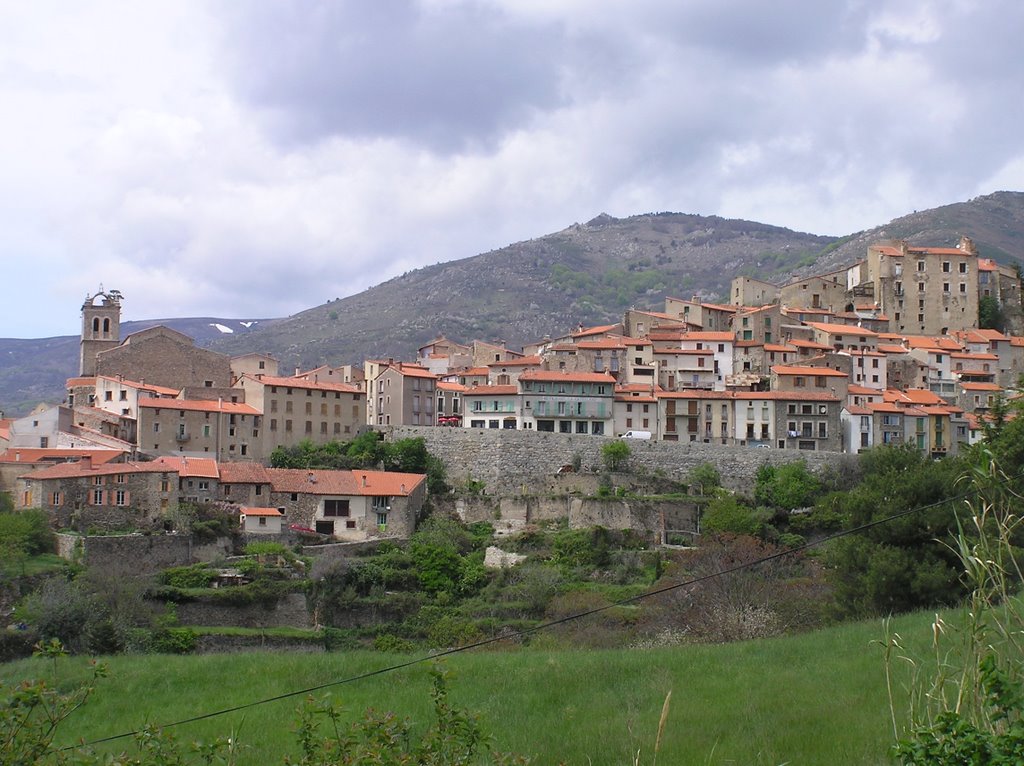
point(101, 328)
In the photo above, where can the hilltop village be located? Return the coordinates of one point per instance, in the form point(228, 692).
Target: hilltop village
point(891, 350)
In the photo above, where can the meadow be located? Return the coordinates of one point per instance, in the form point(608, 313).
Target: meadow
point(812, 698)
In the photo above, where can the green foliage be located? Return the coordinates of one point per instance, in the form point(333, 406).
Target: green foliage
point(454, 738)
point(786, 487)
point(705, 476)
point(586, 548)
point(193, 576)
point(30, 715)
point(990, 314)
point(725, 514)
point(615, 455)
point(27, 531)
point(967, 696)
point(906, 563)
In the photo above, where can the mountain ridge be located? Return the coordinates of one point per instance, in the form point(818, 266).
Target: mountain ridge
point(586, 273)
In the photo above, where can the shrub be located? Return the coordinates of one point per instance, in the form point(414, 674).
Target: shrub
point(194, 576)
point(615, 455)
point(725, 514)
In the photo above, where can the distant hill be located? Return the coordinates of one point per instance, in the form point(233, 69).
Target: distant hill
point(587, 273)
point(34, 371)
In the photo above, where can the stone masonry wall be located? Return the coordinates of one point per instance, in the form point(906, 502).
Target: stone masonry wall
point(136, 554)
point(518, 462)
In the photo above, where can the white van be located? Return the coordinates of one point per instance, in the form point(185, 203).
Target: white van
point(637, 435)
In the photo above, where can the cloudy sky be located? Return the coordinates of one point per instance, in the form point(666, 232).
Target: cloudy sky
point(255, 159)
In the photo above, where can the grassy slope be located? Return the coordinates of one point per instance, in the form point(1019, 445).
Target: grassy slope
point(814, 698)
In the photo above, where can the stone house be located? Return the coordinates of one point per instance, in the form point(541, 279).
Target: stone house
point(564, 402)
point(926, 290)
point(747, 291)
point(217, 429)
point(822, 291)
point(402, 394)
point(808, 420)
point(254, 364)
point(261, 521)
point(696, 416)
point(636, 409)
point(112, 496)
point(349, 505)
point(493, 407)
point(294, 409)
point(165, 357)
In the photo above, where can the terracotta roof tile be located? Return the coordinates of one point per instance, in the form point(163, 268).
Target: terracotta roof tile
point(199, 405)
point(563, 375)
point(243, 473)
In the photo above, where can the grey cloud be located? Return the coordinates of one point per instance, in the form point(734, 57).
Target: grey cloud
point(446, 77)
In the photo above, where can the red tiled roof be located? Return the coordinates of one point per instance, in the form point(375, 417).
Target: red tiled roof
point(491, 391)
point(979, 386)
point(36, 455)
point(809, 344)
point(202, 467)
point(79, 382)
point(709, 335)
point(563, 375)
point(291, 382)
point(80, 469)
point(854, 409)
point(248, 510)
point(448, 385)
point(863, 390)
point(912, 396)
point(243, 473)
point(594, 330)
point(368, 483)
point(694, 393)
point(887, 349)
point(199, 405)
point(165, 390)
point(842, 329)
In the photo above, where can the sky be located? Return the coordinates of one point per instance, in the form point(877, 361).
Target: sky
point(248, 160)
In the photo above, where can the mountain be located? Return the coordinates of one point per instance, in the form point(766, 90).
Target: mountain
point(587, 273)
point(34, 371)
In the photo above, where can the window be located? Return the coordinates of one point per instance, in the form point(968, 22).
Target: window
point(920, 265)
point(945, 287)
point(945, 267)
point(336, 508)
point(120, 497)
point(963, 267)
point(97, 497)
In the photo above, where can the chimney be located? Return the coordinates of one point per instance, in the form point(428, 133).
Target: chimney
point(311, 478)
point(86, 462)
point(364, 480)
point(402, 489)
point(17, 457)
point(297, 371)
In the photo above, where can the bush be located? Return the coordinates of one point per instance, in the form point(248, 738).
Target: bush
point(725, 514)
point(615, 455)
point(28, 531)
point(194, 576)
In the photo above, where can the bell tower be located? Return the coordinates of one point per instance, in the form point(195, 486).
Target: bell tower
point(101, 327)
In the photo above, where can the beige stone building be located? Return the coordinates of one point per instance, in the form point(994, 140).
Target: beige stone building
point(295, 409)
point(215, 429)
point(926, 290)
point(164, 357)
point(747, 291)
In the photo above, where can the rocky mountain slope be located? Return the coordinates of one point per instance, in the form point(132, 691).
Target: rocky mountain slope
point(587, 273)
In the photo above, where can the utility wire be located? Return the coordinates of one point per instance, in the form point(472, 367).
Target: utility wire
point(543, 626)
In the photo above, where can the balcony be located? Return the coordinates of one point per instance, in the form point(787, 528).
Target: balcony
point(181, 438)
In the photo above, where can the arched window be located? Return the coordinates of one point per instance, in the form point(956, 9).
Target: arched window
point(106, 326)
point(96, 324)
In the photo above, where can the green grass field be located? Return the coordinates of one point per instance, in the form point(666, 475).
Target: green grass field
point(817, 698)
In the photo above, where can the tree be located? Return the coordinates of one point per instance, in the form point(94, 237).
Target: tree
point(786, 487)
point(615, 455)
point(990, 314)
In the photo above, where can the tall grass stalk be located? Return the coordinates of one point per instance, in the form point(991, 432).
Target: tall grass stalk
point(976, 650)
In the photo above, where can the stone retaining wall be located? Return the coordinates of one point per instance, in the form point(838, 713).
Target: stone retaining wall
point(137, 554)
point(527, 462)
point(289, 611)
